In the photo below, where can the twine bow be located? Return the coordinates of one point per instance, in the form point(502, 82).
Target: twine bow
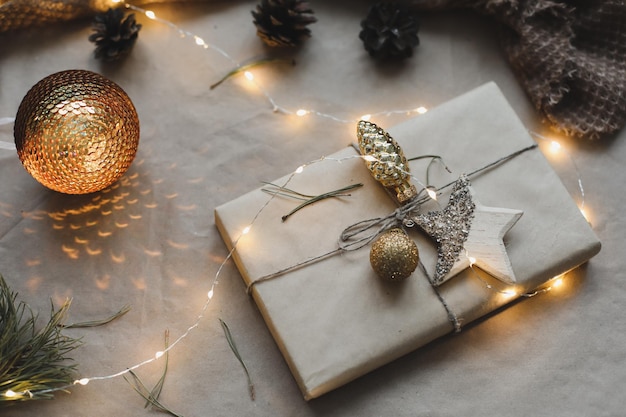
point(362, 233)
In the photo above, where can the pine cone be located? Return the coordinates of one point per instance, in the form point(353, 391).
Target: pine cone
point(389, 31)
point(114, 37)
point(283, 22)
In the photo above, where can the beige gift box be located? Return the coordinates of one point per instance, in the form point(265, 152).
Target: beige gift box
point(333, 318)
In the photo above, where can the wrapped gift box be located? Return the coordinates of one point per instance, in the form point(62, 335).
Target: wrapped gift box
point(333, 318)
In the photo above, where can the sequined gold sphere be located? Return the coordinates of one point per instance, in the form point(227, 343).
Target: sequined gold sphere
point(76, 132)
point(394, 255)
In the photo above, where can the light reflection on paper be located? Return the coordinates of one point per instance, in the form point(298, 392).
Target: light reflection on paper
point(94, 234)
point(118, 259)
point(103, 282)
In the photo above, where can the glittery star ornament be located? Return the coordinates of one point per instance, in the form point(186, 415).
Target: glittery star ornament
point(467, 233)
point(76, 132)
point(387, 162)
point(394, 255)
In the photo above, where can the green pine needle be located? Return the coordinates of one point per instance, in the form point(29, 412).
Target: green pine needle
point(152, 396)
point(143, 391)
point(233, 347)
point(307, 199)
point(95, 323)
point(246, 67)
point(158, 387)
point(33, 361)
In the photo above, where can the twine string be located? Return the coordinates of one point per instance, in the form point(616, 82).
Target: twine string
point(452, 317)
point(401, 215)
point(355, 236)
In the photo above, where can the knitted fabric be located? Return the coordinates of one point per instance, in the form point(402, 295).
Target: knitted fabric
point(571, 59)
point(569, 55)
point(21, 14)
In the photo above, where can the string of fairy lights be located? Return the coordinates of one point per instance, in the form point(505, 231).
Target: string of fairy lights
point(552, 145)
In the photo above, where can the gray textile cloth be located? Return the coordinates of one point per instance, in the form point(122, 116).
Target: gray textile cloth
point(570, 57)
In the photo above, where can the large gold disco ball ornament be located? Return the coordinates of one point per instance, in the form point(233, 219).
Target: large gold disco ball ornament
point(76, 132)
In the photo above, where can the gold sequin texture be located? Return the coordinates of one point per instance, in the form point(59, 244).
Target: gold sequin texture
point(76, 132)
point(390, 166)
point(394, 255)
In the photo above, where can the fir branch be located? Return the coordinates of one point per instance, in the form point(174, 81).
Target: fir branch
point(32, 362)
point(95, 323)
point(233, 347)
point(307, 199)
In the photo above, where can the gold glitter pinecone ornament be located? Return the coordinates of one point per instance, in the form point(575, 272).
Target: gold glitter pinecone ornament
point(389, 165)
point(76, 132)
point(394, 255)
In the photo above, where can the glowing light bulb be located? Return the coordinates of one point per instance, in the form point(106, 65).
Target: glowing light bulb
point(557, 282)
point(432, 193)
point(421, 110)
point(471, 260)
point(150, 14)
point(299, 169)
point(249, 76)
point(509, 293)
point(10, 394)
point(210, 294)
point(366, 117)
point(555, 146)
point(369, 158)
point(158, 354)
point(82, 381)
point(302, 112)
point(199, 41)
point(245, 230)
point(583, 211)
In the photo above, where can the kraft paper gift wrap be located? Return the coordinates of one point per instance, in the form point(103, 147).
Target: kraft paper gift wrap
point(334, 319)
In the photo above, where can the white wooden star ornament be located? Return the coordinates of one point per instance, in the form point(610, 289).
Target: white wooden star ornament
point(467, 232)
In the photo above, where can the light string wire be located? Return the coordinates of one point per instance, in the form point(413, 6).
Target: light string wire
point(556, 147)
point(382, 224)
point(277, 109)
point(157, 355)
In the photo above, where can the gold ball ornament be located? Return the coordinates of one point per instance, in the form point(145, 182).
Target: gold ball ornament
point(76, 132)
point(394, 255)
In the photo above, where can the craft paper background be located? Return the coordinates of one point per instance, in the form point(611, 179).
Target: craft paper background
point(558, 353)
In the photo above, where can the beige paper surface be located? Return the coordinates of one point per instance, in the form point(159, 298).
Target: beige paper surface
point(334, 320)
